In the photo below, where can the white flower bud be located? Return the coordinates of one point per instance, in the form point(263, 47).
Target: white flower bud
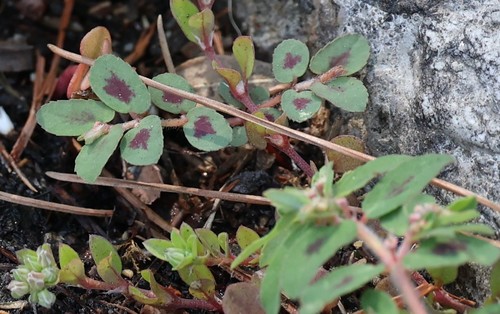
point(46, 298)
point(36, 281)
point(44, 256)
point(20, 273)
point(51, 275)
point(18, 288)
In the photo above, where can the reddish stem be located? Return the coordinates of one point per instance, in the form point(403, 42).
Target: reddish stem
point(282, 143)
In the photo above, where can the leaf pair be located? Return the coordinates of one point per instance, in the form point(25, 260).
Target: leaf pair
point(348, 53)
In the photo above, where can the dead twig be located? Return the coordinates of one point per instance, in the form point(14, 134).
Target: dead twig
point(75, 210)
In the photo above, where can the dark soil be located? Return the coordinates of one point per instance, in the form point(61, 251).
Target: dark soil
point(35, 23)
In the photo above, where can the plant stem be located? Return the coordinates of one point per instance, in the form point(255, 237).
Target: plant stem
point(283, 144)
point(398, 274)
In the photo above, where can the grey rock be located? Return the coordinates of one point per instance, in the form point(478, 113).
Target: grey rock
point(433, 78)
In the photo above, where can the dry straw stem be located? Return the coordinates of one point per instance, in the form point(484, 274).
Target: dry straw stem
point(307, 138)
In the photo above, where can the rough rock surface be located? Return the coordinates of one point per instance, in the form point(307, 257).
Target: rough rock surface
point(433, 78)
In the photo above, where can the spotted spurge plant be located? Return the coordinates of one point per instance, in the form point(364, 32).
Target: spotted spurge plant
point(313, 225)
point(118, 89)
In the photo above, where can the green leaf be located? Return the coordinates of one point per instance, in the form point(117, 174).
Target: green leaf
point(287, 200)
point(93, 157)
point(488, 309)
point(109, 264)
point(451, 231)
point(200, 280)
point(463, 204)
point(495, 283)
point(117, 84)
point(143, 145)
point(240, 137)
point(202, 26)
point(259, 94)
point(433, 253)
point(358, 178)
point(314, 247)
point(71, 266)
point(256, 134)
point(157, 247)
point(347, 93)
point(139, 295)
point(223, 239)
point(244, 53)
point(377, 302)
point(300, 106)
point(349, 51)
point(209, 240)
point(403, 183)
point(341, 162)
point(169, 101)
point(443, 275)
point(246, 236)
point(163, 296)
point(338, 282)
point(290, 60)
point(397, 221)
point(72, 117)
point(207, 130)
point(182, 10)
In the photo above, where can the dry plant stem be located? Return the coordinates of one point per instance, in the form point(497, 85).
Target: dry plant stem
point(165, 51)
point(120, 183)
point(394, 264)
point(307, 138)
point(174, 123)
point(13, 164)
point(26, 201)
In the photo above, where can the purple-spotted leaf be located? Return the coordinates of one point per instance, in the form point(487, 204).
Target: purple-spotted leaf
point(341, 162)
point(290, 60)
point(117, 85)
point(72, 117)
point(447, 252)
point(403, 183)
point(93, 157)
point(233, 79)
point(207, 130)
point(109, 264)
point(169, 101)
point(182, 10)
point(239, 136)
point(300, 106)
point(347, 93)
point(202, 27)
point(143, 145)
point(350, 51)
point(338, 282)
point(244, 53)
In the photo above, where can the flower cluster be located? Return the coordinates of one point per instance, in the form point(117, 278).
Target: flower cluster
point(36, 273)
